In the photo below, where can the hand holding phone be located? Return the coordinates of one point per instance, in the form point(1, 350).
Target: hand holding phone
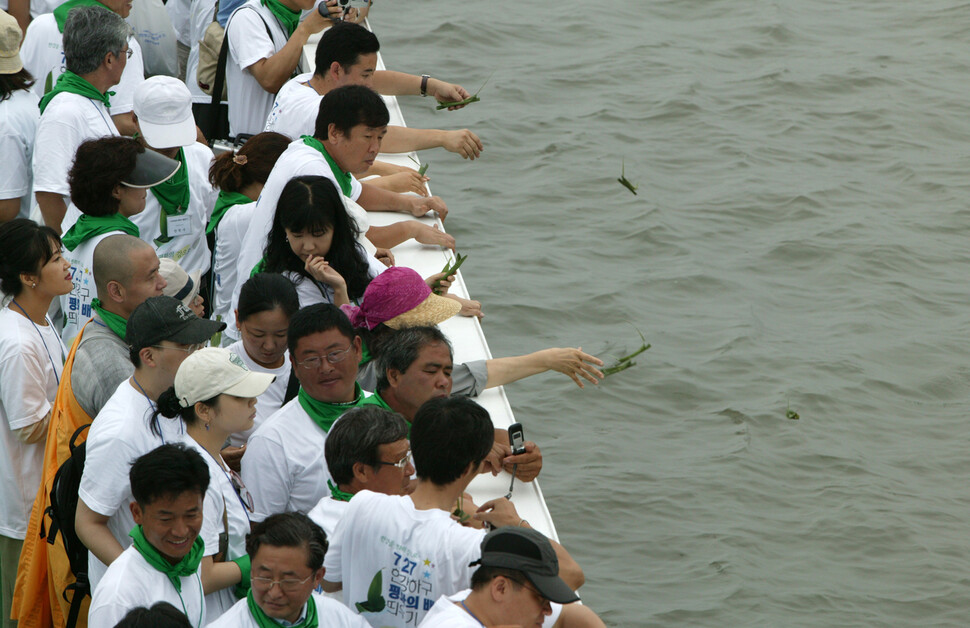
point(517, 443)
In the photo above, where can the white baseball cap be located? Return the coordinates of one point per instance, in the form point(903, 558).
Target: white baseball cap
point(164, 108)
point(215, 371)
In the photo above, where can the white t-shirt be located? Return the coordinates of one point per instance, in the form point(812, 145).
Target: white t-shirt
point(297, 160)
point(42, 54)
point(221, 498)
point(327, 513)
point(66, 123)
point(330, 613)
point(191, 250)
point(19, 116)
point(178, 14)
point(312, 292)
point(446, 613)
point(30, 368)
point(284, 467)
point(295, 109)
point(201, 15)
point(76, 305)
point(270, 401)
point(249, 103)
point(229, 239)
point(420, 554)
point(119, 434)
point(131, 582)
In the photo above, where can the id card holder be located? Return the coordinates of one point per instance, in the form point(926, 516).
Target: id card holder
point(179, 225)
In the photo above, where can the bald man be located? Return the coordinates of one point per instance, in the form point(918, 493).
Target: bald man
point(125, 274)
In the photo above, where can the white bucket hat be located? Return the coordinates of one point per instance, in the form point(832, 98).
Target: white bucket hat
point(215, 371)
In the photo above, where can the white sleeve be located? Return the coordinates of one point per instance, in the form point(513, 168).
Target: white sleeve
point(212, 523)
point(104, 483)
point(15, 174)
point(54, 148)
point(265, 473)
point(248, 40)
point(24, 382)
point(133, 76)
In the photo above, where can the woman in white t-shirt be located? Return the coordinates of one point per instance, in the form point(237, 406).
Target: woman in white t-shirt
point(266, 303)
point(240, 178)
point(215, 395)
point(33, 270)
point(19, 116)
point(313, 243)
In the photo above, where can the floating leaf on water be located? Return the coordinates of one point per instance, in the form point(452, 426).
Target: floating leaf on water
point(791, 414)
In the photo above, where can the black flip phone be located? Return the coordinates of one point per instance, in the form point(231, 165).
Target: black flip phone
point(517, 439)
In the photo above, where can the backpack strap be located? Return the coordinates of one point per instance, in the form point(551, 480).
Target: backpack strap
point(292, 387)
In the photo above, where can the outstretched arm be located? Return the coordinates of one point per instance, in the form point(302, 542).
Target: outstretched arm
point(402, 139)
point(572, 362)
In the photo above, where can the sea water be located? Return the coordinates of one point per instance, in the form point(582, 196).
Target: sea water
point(799, 242)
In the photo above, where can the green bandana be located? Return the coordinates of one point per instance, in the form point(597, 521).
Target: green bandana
point(60, 13)
point(289, 18)
point(111, 320)
point(338, 494)
point(342, 178)
point(260, 267)
point(223, 203)
point(173, 196)
point(376, 400)
point(323, 413)
point(265, 621)
point(185, 567)
point(74, 84)
point(88, 227)
point(365, 355)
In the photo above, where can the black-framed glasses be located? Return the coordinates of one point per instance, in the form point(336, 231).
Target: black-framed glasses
point(288, 585)
point(400, 464)
point(333, 357)
point(543, 600)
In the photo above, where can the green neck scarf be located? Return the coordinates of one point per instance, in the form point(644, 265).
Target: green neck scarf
point(111, 320)
point(173, 196)
point(260, 267)
point(343, 178)
point(289, 18)
point(377, 400)
point(74, 84)
point(323, 413)
point(185, 567)
point(265, 621)
point(365, 355)
point(60, 13)
point(88, 227)
point(338, 494)
point(223, 203)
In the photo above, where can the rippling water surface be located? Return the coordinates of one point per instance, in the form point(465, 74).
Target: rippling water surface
point(800, 237)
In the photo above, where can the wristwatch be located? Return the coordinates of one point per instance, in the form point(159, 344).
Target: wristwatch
point(424, 84)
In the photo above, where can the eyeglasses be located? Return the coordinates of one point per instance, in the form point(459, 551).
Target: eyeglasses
point(244, 495)
point(333, 357)
point(129, 51)
point(543, 600)
point(287, 585)
point(189, 349)
point(400, 464)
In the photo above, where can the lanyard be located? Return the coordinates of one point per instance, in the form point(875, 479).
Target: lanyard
point(201, 606)
point(467, 610)
point(152, 404)
point(235, 490)
point(44, 342)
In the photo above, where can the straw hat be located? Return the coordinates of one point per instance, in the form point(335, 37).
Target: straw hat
point(400, 298)
point(10, 36)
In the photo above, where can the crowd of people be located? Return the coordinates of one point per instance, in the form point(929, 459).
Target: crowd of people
point(224, 402)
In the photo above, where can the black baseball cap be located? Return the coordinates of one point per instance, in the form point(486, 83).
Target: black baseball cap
point(528, 551)
point(167, 318)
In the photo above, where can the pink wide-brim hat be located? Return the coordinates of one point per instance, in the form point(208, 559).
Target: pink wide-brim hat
point(400, 298)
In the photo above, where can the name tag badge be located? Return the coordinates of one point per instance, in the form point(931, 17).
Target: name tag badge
point(179, 225)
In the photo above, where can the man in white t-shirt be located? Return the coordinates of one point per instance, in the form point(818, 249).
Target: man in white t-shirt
point(518, 584)
point(161, 333)
point(77, 109)
point(178, 209)
point(350, 124)
point(366, 450)
point(398, 554)
point(44, 57)
point(347, 55)
point(283, 466)
point(18, 125)
point(162, 563)
point(266, 39)
point(287, 552)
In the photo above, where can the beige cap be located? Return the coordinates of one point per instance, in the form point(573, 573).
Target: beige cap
point(179, 284)
point(10, 36)
point(215, 371)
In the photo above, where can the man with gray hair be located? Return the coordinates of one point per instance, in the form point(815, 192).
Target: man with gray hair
point(366, 449)
point(77, 108)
